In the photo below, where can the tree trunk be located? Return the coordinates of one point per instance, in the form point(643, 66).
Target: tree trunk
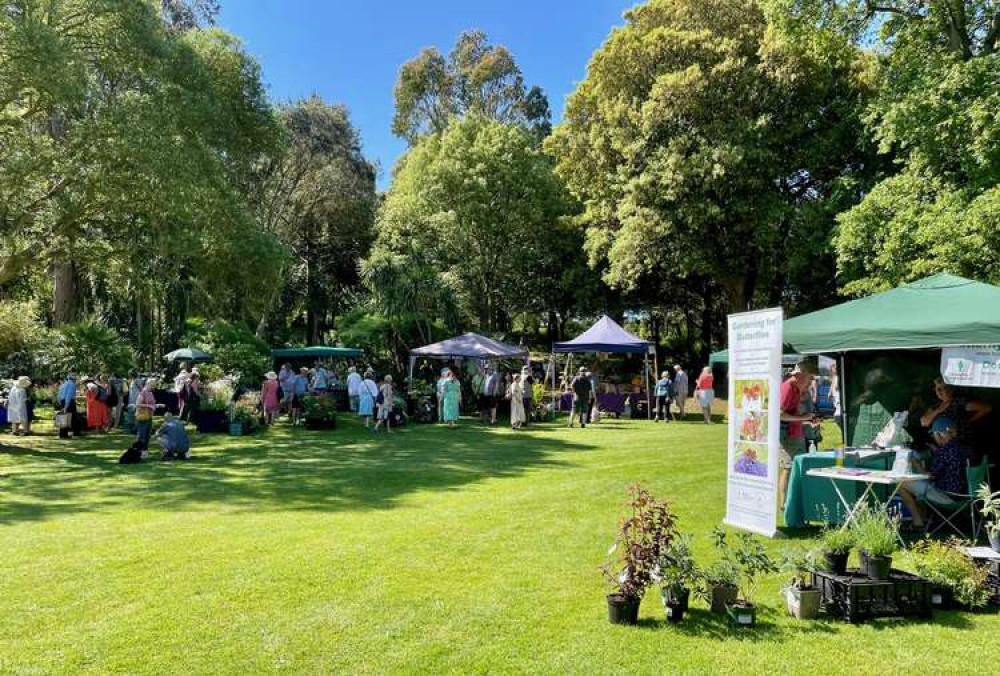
point(65, 293)
point(706, 323)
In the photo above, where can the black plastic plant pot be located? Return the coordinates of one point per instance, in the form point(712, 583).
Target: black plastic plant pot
point(876, 567)
point(837, 562)
point(212, 422)
point(623, 610)
point(942, 598)
point(722, 595)
point(679, 597)
point(742, 614)
point(675, 612)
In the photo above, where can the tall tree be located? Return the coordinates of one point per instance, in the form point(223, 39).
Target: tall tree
point(126, 151)
point(319, 199)
point(936, 118)
point(484, 205)
point(477, 78)
point(700, 140)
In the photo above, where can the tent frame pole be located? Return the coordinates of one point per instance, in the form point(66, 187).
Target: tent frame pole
point(649, 401)
point(842, 386)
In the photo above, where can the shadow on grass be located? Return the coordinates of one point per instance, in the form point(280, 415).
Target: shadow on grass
point(283, 468)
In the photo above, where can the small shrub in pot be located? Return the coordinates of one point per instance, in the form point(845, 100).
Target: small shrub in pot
point(644, 532)
point(752, 561)
point(991, 514)
point(677, 571)
point(837, 544)
point(802, 597)
point(956, 577)
point(876, 536)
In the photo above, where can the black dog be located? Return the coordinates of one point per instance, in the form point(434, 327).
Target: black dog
point(132, 456)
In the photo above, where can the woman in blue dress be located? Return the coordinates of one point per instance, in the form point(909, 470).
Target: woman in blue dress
point(366, 404)
point(452, 399)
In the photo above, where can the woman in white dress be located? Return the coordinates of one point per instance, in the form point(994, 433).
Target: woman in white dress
point(17, 407)
point(516, 396)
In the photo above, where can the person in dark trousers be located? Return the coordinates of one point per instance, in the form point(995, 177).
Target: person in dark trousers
point(583, 391)
point(664, 394)
point(528, 383)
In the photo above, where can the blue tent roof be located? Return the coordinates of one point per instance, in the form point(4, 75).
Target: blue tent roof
point(604, 336)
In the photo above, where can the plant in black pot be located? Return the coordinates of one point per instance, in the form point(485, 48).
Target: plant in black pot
point(991, 514)
point(957, 580)
point(837, 544)
point(644, 532)
point(718, 585)
point(802, 597)
point(245, 415)
point(213, 410)
point(876, 536)
point(677, 572)
point(319, 412)
point(748, 554)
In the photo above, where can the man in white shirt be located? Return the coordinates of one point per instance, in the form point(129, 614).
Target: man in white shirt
point(354, 381)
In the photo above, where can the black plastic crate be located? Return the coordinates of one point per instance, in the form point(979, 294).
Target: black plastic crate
point(855, 598)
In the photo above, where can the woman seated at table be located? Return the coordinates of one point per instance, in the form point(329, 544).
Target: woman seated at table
point(964, 412)
point(947, 470)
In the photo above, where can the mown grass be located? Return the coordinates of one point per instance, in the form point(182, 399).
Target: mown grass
point(432, 550)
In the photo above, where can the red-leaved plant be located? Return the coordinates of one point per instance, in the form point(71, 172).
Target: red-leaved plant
point(643, 535)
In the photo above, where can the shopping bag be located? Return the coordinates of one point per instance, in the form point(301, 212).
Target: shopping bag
point(63, 421)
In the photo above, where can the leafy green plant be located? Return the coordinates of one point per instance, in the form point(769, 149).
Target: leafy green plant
point(944, 564)
point(837, 540)
point(643, 534)
point(93, 347)
point(246, 410)
point(319, 408)
point(802, 563)
point(722, 573)
point(990, 509)
point(875, 532)
point(216, 396)
point(677, 568)
point(748, 555)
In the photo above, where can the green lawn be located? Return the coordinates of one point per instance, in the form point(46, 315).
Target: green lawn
point(430, 550)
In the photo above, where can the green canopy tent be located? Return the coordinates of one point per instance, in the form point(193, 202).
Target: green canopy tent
point(889, 344)
point(318, 352)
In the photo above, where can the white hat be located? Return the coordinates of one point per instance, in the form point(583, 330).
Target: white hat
point(24, 381)
point(271, 375)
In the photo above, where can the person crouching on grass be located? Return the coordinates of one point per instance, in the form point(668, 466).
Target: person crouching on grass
point(947, 470)
point(173, 439)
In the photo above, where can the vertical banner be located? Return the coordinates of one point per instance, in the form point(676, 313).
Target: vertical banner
point(755, 346)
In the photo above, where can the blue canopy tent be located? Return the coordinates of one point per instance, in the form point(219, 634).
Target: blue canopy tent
point(468, 346)
point(606, 335)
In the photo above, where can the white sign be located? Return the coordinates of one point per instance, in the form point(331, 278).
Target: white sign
point(971, 366)
point(755, 342)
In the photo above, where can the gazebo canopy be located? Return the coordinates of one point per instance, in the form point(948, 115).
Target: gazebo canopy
point(318, 352)
point(470, 346)
point(938, 311)
point(604, 336)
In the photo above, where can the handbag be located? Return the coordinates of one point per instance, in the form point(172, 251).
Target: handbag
point(64, 421)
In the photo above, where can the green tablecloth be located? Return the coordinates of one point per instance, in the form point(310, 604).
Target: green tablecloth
point(814, 498)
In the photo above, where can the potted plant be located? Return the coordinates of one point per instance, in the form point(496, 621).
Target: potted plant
point(676, 572)
point(319, 412)
point(643, 534)
point(991, 514)
point(719, 585)
point(213, 410)
point(802, 597)
point(751, 560)
point(875, 534)
point(244, 417)
point(956, 578)
point(837, 544)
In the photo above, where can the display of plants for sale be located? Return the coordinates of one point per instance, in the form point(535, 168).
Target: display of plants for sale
point(676, 573)
point(644, 533)
point(213, 409)
point(876, 535)
point(837, 544)
point(747, 554)
point(802, 597)
point(990, 510)
point(245, 415)
point(957, 579)
point(319, 412)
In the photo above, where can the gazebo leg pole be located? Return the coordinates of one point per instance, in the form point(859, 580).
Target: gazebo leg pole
point(649, 402)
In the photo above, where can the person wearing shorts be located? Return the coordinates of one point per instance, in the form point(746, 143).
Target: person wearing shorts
point(947, 470)
point(793, 437)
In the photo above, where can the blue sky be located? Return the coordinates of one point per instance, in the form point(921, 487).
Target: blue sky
point(350, 51)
